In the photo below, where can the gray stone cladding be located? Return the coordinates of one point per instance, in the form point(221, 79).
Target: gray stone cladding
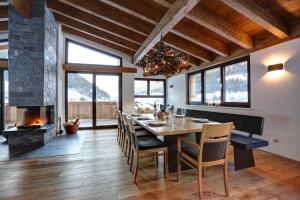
point(32, 57)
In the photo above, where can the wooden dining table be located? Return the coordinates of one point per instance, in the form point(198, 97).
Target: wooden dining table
point(181, 126)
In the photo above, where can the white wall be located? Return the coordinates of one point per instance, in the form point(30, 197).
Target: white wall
point(127, 78)
point(275, 96)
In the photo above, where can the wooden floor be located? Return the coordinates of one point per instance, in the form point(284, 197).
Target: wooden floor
point(100, 171)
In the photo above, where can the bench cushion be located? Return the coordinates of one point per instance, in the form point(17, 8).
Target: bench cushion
point(246, 142)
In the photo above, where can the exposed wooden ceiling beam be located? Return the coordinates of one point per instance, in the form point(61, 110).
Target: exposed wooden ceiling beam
point(23, 7)
point(101, 38)
point(201, 39)
point(129, 11)
point(3, 64)
point(95, 32)
point(3, 13)
point(185, 46)
point(96, 22)
point(91, 38)
point(217, 25)
point(195, 61)
point(198, 38)
point(98, 68)
point(3, 26)
point(261, 16)
point(2, 47)
point(175, 13)
point(112, 15)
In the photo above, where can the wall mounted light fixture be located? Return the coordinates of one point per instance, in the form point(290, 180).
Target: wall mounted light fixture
point(275, 67)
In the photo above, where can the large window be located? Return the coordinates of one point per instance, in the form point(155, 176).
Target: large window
point(236, 82)
point(82, 54)
point(91, 96)
point(147, 92)
point(212, 83)
point(195, 87)
point(225, 84)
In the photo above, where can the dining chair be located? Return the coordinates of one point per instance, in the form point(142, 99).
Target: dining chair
point(212, 150)
point(121, 130)
point(140, 134)
point(146, 147)
point(119, 126)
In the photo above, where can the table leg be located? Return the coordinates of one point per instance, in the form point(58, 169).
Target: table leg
point(171, 141)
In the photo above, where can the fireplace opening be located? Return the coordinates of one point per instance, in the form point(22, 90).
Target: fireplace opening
point(34, 116)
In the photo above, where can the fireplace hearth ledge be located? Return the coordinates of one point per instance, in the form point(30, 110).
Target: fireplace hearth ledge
point(24, 140)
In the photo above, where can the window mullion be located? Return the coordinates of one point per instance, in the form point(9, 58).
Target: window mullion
point(148, 88)
point(202, 87)
point(222, 84)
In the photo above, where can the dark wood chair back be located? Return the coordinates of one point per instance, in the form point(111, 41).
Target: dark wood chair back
point(213, 146)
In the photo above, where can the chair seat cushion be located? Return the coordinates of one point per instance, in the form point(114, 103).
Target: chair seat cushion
point(246, 142)
point(151, 144)
point(144, 133)
point(138, 127)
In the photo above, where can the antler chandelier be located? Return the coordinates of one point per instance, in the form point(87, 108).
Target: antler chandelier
point(165, 61)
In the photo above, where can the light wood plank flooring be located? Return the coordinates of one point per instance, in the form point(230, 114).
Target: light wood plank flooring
point(100, 171)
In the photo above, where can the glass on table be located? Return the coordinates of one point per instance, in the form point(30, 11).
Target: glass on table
point(183, 112)
point(172, 115)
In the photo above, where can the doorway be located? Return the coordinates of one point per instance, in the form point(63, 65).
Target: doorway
point(94, 98)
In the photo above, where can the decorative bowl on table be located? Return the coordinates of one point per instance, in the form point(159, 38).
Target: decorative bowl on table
point(162, 115)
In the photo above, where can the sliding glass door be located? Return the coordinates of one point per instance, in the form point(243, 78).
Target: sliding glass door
point(107, 99)
point(93, 98)
point(80, 98)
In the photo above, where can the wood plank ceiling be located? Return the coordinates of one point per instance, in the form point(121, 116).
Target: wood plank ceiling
point(209, 31)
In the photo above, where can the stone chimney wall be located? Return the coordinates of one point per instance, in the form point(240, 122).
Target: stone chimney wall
point(32, 57)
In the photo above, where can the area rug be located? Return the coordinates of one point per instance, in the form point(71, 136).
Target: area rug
point(58, 146)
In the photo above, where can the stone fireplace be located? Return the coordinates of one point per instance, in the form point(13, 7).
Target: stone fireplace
point(32, 75)
point(34, 116)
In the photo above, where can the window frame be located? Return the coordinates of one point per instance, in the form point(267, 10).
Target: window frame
point(148, 80)
point(67, 72)
point(67, 41)
point(222, 67)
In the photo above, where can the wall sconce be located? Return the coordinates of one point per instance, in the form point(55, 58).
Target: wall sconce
point(275, 67)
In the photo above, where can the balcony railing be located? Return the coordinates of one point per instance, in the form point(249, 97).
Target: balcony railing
point(84, 110)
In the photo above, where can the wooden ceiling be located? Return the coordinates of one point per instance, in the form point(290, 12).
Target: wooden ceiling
point(209, 31)
point(3, 25)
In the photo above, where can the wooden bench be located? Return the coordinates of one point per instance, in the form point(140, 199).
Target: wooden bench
point(242, 137)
